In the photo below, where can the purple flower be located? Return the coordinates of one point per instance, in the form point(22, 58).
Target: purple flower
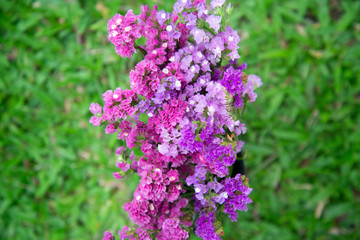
point(186, 62)
point(200, 190)
point(171, 29)
point(231, 38)
point(214, 22)
point(199, 35)
point(205, 66)
point(239, 146)
point(238, 196)
point(233, 55)
point(181, 4)
point(187, 141)
point(205, 228)
point(190, 20)
point(162, 16)
point(255, 80)
point(215, 185)
point(234, 85)
point(221, 197)
point(217, 46)
point(216, 3)
point(202, 10)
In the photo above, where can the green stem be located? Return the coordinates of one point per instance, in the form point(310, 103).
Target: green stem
point(143, 51)
point(243, 110)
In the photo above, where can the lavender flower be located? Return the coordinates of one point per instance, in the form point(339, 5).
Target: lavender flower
point(214, 22)
point(162, 16)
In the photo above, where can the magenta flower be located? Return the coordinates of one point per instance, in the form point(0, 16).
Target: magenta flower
point(108, 236)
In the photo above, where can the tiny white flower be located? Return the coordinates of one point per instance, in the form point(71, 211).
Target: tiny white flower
point(177, 83)
point(165, 70)
point(115, 96)
point(178, 187)
point(126, 134)
point(199, 54)
point(172, 179)
point(114, 33)
point(217, 50)
point(172, 59)
point(164, 45)
point(163, 15)
point(150, 114)
point(184, 1)
point(169, 28)
point(224, 194)
point(127, 29)
point(202, 81)
point(206, 12)
point(231, 38)
point(211, 109)
point(113, 26)
point(138, 197)
point(118, 21)
point(192, 69)
point(157, 170)
point(154, 52)
point(192, 102)
point(151, 207)
point(197, 190)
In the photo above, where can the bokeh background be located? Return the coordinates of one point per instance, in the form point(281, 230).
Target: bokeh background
point(303, 135)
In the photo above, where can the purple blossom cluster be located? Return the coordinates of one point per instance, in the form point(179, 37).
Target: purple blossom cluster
point(188, 91)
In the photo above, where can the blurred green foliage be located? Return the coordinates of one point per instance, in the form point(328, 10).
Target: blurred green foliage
point(303, 135)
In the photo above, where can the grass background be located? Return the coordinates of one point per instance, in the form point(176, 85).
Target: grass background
point(303, 135)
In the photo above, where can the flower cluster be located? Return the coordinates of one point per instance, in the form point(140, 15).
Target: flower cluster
point(183, 112)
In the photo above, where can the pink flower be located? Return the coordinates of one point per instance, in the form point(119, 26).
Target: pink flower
point(95, 108)
point(123, 166)
point(174, 192)
point(173, 175)
point(139, 211)
point(172, 113)
point(110, 129)
point(144, 80)
point(117, 175)
point(95, 121)
point(123, 31)
point(171, 230)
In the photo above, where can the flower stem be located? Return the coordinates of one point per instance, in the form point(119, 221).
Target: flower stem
point(143, 51)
